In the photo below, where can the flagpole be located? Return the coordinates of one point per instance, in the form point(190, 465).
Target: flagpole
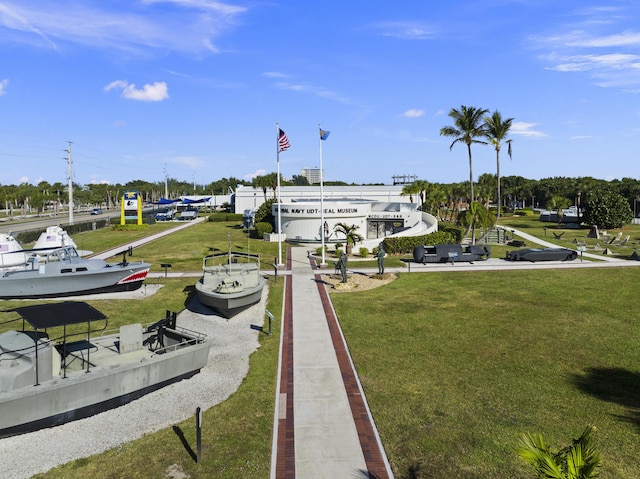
point(323, 263)
point(278, 187)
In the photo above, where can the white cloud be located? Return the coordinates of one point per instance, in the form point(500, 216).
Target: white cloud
point(190, 26)
point(318, 91)
point(3, 86)
point(601, 42)
point(526, 129)
point(100, 182)
point(413, 113)
point(404, 30)
point(23, 180)
point(191, 162)
point(156, 91)
point(259, 172)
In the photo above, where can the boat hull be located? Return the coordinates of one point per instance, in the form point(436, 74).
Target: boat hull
point(229, 304)
point(56, 280)
point(230, 283)
point(82, 394)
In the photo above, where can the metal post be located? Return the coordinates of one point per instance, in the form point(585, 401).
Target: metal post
point(198, 434)
point(269, 318)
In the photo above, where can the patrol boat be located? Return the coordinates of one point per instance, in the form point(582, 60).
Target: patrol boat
point(45, 382)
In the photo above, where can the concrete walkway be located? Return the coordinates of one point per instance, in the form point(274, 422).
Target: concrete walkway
point(322, 428)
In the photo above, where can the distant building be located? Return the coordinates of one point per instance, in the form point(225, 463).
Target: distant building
point(313, 175)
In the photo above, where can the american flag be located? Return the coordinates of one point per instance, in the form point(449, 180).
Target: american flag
point(283, 141)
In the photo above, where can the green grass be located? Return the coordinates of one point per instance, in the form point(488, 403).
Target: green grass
point(456, 365)
point(571, 237)
point(236, 434)
point(185, 249)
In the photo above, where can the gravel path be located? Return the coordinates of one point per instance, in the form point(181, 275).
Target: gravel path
point(232, 342)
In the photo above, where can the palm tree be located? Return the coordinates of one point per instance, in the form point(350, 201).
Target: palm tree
point(410, 190)
point(497, 130)
point(262, 182)
point(578, 461)
point(476, 216)
point(349, 233)
point(468, 127)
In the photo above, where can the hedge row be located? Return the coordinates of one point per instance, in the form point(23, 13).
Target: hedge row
point(222, 217)
point(406, 244)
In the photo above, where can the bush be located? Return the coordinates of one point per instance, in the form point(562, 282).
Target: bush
point(338, 246)
point(223, 217)
point(364, 252)
point(263, 213)
point(607, 209)
point(406, 244)
point(263, 228)
point(319, 250)
point(457, 231)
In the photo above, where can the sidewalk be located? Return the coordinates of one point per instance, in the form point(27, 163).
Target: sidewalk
point(322, 426)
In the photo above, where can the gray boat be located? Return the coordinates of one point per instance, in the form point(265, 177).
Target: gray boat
point(231, 282)
point(45, 382)
point(63, 272)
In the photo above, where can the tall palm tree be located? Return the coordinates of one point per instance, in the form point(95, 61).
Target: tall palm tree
point(468, 127)
point(497, 131)
point(581, 460)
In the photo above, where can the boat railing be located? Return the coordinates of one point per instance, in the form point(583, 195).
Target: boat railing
point(220, 259)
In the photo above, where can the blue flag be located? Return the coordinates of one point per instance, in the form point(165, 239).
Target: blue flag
point(324, 134)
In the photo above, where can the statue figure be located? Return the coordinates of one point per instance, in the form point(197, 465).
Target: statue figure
point(381, 255)
point(342, 264)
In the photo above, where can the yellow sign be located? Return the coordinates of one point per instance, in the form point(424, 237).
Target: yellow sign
point(131, 207)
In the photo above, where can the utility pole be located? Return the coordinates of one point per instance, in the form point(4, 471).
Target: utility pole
point(70, 177)
point(166, 186)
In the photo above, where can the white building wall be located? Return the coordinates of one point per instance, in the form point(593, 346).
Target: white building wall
point(248, 197)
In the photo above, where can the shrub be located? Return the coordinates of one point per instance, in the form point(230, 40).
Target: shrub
point(364, 252)
point(263, 213)
point(263, 228)
point(222, 217)
point(406, 244)
point(338, 246)
point(319, 250)
point(457, 231)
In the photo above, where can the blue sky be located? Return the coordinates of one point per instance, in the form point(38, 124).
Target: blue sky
point(193, 89)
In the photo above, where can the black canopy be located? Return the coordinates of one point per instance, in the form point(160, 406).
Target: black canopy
point(42, 316)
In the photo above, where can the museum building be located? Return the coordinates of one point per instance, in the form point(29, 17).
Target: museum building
point(377, 211)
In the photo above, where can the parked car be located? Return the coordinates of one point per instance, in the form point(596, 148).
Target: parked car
point(164, 215)
point(188, 215)
point(96, 211)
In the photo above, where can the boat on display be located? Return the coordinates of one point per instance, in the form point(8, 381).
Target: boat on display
point(542, 254)
point(63, 272)
point(230, 282)
point(44, 382)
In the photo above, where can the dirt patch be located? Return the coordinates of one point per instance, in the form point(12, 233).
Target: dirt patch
point(357, 281)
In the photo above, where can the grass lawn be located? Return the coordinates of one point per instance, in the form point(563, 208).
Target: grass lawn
point(571, 237)
point(456, 365)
